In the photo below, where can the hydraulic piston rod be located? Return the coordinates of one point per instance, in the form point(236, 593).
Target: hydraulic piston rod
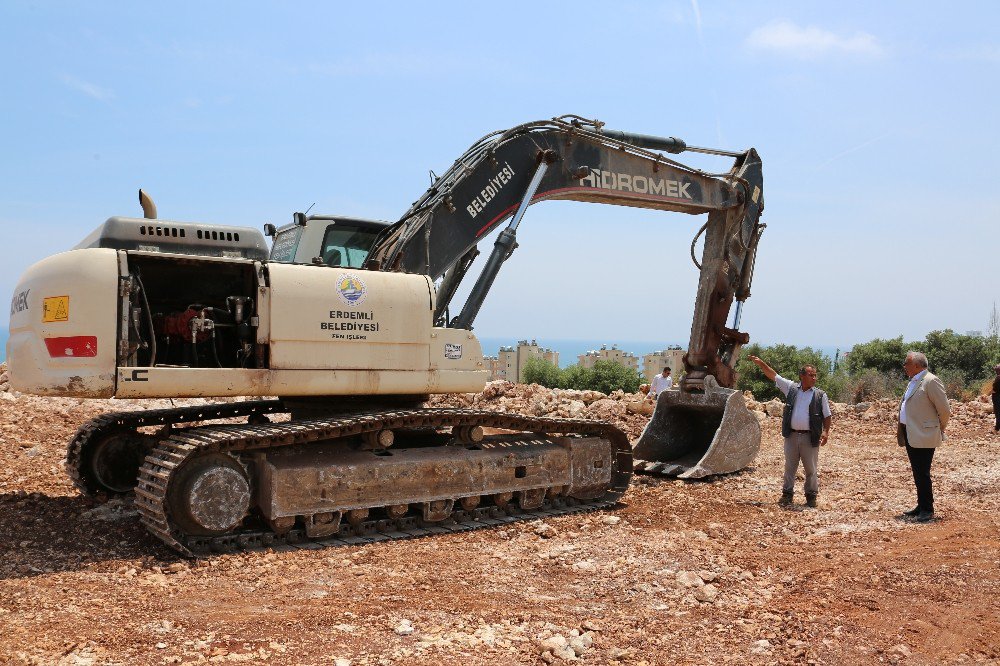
point(502, 249)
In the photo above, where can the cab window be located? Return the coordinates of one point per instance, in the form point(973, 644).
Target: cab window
point(347, 246)
point(285, 244)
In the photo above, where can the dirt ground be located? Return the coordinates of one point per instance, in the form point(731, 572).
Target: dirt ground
point(680, 573)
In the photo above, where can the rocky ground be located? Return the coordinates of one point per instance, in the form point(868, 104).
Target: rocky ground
point(703, 573)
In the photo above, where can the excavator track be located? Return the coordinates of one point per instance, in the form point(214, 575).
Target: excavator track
point(172, 453)
point(99, 428)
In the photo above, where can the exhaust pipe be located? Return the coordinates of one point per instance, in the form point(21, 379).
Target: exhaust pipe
point(148, 207)
point(694, 435)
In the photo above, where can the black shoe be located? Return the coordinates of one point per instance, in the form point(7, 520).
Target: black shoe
point(811, 501)
point(925, 517)
point(786, 499)
point(915, 511)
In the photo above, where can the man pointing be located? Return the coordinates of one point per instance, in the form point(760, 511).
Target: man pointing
point(805, 425)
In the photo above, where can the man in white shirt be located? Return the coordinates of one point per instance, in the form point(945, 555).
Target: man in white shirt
point(923, 416)
point(661, 382)
point(805, 424)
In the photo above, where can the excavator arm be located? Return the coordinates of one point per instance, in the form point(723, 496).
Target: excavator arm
point(576, 159)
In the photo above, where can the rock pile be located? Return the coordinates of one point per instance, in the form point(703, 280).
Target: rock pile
point(4, 378)
point(619, 407)
point(535, 400)
point(882, 411)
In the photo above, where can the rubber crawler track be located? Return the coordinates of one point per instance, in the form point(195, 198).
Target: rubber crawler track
point(172, 452)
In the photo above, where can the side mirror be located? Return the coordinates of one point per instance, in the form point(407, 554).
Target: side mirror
point(299, 219)
point(270, 230)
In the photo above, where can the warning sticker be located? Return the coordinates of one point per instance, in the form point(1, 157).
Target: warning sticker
point(451, 351)
point(55, 308)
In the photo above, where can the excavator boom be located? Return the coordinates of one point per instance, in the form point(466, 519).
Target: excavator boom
point(704, 429)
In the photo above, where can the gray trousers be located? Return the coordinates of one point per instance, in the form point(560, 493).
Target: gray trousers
point(798, 447)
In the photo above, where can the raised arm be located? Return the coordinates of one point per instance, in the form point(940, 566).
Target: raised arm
point(764, 367)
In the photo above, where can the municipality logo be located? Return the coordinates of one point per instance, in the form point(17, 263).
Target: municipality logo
point(351, 290)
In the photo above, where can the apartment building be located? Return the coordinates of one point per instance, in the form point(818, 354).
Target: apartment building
point(511, 360)
point(654, 362)
point(613, 354)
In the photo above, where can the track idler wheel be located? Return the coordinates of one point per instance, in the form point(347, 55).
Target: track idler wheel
point(112, 465)
point(210, 495)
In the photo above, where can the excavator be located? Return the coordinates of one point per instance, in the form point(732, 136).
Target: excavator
point(350, 323)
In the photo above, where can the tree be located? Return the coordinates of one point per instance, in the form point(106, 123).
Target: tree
point(540, 371)
point(576, 377)
point(884, 356)
point(605, 376)
point(787, 360)
point(609, 376)
point(950, 352)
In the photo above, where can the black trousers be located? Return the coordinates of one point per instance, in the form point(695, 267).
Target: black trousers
point(920, 463)
point(996, 410)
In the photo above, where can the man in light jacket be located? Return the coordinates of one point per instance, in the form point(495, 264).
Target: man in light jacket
point(923, 416)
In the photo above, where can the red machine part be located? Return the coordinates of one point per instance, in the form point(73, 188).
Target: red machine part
point(178, 325)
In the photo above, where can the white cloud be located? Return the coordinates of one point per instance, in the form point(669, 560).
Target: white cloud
point(88, 89)
point(810, 41)
point(697, 21)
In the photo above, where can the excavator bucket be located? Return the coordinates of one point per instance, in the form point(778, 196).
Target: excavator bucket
point(694, 435)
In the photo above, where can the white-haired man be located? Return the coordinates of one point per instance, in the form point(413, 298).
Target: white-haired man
point(923, 416)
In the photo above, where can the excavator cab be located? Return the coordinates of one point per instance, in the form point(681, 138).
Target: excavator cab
point(694, 435)
point(327, 240)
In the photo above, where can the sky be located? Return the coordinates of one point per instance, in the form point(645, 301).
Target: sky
point(876, 123)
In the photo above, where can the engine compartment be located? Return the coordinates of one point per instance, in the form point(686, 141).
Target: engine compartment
point(189, 312)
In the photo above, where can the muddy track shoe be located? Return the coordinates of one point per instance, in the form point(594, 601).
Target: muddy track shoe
point(375, 476)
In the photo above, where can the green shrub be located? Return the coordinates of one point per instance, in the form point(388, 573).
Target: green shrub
point(605, 376)
point(787, 360)
point(836, 385)
point(955, 385)
point(870, 384)
point(609, 376)
point(576, 377)
point(540, 371)
point(883, 356)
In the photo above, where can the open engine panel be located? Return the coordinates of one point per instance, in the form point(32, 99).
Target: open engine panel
point(190, 313)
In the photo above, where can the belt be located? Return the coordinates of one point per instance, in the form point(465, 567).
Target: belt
point(804, 432)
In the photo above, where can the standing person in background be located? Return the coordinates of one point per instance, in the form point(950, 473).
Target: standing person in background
point(996, 398)
point(805, 425)
point(923, 416)
point(661, 382)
